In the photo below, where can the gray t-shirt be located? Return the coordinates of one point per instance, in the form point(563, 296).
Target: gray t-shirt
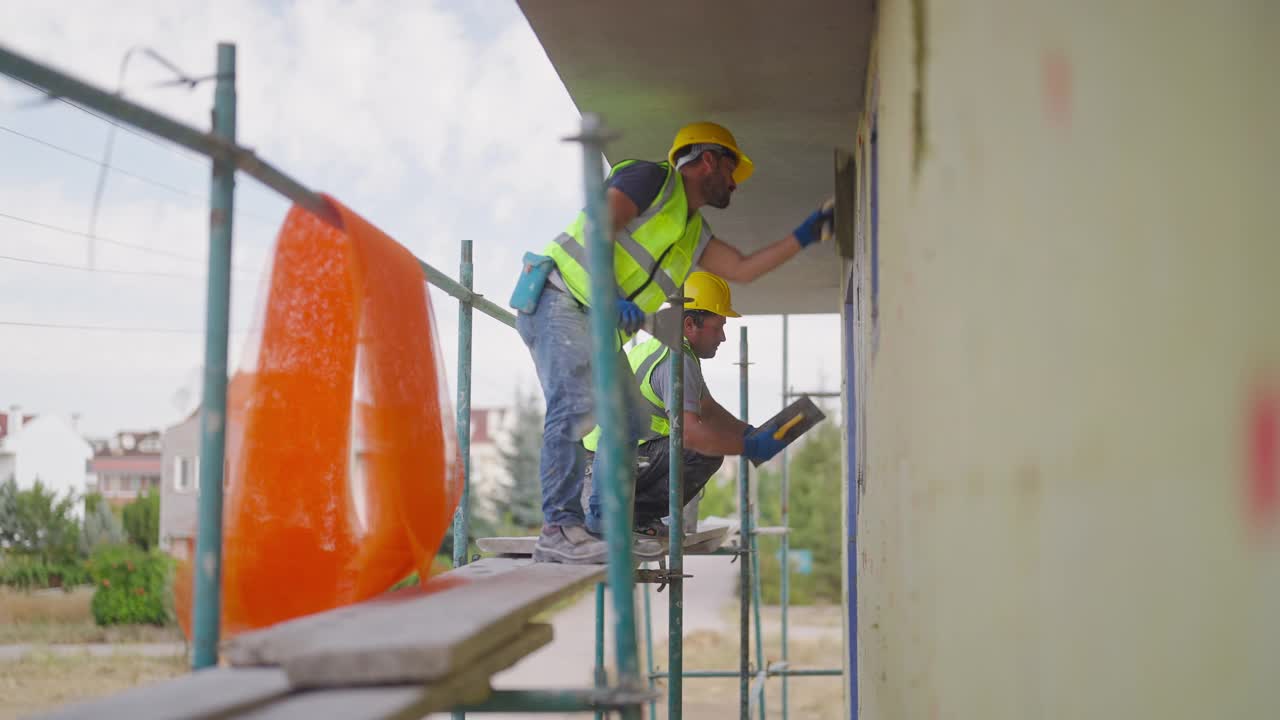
point(694, 386)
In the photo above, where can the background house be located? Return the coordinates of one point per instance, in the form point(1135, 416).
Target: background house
point(180, 487)
point(490, 432)
point(125, 466)
point(44, 447)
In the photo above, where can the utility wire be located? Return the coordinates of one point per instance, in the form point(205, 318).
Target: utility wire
point(176, 150)
point(109, 271)
point(108, 328)
point(126, 173)
point(133, 246)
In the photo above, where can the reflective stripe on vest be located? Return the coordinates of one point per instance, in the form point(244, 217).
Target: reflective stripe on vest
point(664, 227)
point(643, 358)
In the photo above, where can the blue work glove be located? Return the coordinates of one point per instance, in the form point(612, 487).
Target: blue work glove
point(810, 231)
point(760, 444)
point(630, 316)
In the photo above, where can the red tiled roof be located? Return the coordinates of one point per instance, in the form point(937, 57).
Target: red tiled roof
point(4, 422)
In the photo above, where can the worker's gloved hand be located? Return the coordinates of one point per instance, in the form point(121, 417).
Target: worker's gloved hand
point(748, 430)
point(810, 231)
point(630, 316)
point(760, 444)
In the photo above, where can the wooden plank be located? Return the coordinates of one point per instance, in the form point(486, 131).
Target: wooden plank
point(523, 546)
point(706, 541)
point(257, 647)
point(417, 638)
point(203, 694)
point(469, 686)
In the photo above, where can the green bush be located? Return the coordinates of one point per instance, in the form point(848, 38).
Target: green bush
point(37, 524)
point(30, 573)
point(132, 586)
point(142, 520)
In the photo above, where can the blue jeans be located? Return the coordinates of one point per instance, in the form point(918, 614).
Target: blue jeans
point(559, 339)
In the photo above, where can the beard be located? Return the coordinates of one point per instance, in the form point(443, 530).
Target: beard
point(717, 192)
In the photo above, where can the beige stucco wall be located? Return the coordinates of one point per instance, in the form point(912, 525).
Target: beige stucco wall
point(1079, 324)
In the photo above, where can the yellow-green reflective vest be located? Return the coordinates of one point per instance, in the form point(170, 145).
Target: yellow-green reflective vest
point(663, 231)
point(643, 359)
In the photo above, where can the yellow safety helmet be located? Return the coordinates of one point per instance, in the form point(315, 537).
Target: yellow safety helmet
point(708, 292)
point(709, 132)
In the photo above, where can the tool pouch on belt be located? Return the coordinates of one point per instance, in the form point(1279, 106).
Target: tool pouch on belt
point(533, 276)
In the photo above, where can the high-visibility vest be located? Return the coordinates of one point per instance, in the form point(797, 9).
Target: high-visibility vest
point(664, 235)
point(643, 358)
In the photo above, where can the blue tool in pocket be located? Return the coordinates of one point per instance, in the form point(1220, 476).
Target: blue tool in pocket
point(533, 276)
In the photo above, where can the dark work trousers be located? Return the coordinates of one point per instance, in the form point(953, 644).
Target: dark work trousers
point(653, 479)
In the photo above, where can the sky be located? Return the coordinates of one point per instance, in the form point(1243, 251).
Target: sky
point(437, 121)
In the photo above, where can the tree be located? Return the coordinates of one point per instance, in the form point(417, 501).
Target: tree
point(142, 520)
point(815, 518)
point(521, 455)
point(37, 524)
point(101, 526)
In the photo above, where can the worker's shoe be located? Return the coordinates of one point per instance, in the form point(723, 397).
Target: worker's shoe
point(649, 549)
point(652, 529)
point(570, 545)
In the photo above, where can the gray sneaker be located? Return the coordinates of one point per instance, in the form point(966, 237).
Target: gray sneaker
point(649, 549)
point(570, 545)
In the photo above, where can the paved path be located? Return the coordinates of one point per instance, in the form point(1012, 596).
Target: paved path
point(13, 653)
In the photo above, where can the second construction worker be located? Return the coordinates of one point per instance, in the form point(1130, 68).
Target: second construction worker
point(710, 431)
point(659, 235)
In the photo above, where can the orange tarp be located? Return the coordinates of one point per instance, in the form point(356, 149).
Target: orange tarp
point(342, 473)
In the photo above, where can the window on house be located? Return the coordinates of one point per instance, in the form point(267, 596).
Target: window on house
point(181, 478)
point(135, 482)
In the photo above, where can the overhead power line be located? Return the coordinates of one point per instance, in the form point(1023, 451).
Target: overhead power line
point(140, 178)
point(194, 157)
point(109, 271)
point(132, 246)
point(107, 328)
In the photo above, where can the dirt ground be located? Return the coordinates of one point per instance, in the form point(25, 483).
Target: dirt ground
point(808, 698)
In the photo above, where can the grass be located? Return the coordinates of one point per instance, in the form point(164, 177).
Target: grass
point(58, 617)
point(42, 682)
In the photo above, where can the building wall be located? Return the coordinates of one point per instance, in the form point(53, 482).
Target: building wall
point(48, 448)
point(1073, 383)
point(180, 497)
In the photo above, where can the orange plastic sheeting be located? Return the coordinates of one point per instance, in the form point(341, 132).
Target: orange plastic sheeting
point(342, 466)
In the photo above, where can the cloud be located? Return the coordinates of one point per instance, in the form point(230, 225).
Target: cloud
point(437, 121)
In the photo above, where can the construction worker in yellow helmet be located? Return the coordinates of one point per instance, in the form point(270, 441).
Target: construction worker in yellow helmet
point(710, 431)
point(659, 236)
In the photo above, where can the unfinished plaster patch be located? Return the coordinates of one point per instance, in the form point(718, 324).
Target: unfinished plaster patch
point(919, 32)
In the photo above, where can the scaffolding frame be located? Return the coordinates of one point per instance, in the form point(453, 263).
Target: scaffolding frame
point(629, 694)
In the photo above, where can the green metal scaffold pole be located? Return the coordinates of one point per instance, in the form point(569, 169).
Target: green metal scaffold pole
point(744, 543)
point(675, 506)
point(785, 598)
point(213, 406)
point(615, 448)
point(462, 517)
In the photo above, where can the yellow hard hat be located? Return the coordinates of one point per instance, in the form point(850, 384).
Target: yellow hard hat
point(708, 292)
point(709, 132)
